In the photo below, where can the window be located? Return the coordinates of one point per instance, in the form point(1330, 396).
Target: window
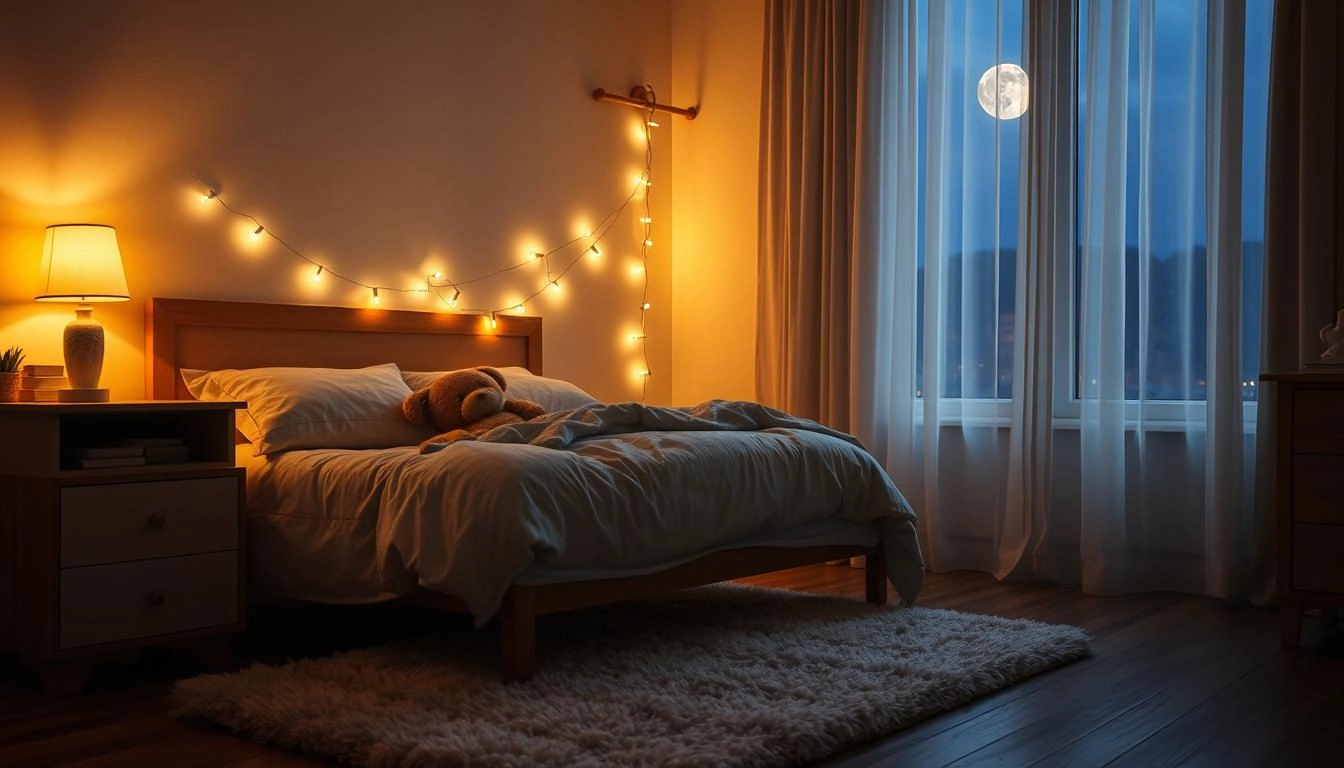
point(970, 171)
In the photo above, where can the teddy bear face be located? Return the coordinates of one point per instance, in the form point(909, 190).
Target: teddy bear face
point(457, 399)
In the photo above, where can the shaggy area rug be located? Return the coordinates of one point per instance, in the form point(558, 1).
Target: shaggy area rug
point(719, 675)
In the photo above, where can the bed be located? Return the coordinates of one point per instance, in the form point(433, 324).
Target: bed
point(590, 504)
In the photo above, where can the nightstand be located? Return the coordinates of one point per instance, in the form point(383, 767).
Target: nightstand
point(100, 560)
point(1310, 496)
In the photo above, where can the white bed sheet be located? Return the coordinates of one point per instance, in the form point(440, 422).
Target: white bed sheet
point(344, 526)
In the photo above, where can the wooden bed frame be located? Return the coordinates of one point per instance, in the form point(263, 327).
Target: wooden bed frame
point(211, 335)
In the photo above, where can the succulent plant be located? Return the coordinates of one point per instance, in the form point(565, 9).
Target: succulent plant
point(11, 359)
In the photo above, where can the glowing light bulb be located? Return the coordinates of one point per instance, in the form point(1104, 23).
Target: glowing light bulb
point(1004, 91)
point(646, 372)
point(648, 243)
point(555, 286)
point(256, 234)
point(492, 322)
point(436, 275)
point(593, 249)
point(653, 123)
point(645, 219)
point(536, 255)
point(375, 299)
point(645, 306)
point(638, 337)
point(518, 308)
point(453, 301)
point(317, 276)
point(207, 198)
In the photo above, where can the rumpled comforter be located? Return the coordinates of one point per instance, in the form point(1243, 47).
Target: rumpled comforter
point(626, 485)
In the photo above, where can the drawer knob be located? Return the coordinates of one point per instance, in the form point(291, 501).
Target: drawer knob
point(157, 520)
point(156, 598)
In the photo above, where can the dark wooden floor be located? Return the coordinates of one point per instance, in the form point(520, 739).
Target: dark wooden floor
point(1174, 680)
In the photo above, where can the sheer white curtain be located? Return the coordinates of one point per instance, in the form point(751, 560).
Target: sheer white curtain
point(1060, 400)
point(1167, 456)
point(935, 228)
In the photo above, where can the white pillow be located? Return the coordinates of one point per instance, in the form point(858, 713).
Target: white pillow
point(522, 384)
point(289, 408)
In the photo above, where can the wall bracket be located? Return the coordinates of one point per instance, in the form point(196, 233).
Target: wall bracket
point(642, 98)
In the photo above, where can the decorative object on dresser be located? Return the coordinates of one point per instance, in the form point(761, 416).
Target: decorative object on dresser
point(1310, 496)
point(721, 675)
point(1332, 336)
point(82, 263)
point(10, 374)
point(102, 550)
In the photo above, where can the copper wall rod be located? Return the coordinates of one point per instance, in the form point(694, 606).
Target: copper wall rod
point(639, 98)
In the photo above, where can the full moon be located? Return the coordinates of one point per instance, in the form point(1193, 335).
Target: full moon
point(1003, 91)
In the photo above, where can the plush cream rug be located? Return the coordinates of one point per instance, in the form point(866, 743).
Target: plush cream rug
point(720, 675)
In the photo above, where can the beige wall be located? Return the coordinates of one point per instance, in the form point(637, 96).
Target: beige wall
point(382, 139)
point(716, 62)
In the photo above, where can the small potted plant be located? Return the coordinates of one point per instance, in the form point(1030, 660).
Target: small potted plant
point(10, 361)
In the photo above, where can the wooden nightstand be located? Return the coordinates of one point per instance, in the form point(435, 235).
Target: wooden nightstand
point(94, 561)
point(1310, 479)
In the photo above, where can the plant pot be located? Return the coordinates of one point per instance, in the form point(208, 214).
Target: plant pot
point(9, 386)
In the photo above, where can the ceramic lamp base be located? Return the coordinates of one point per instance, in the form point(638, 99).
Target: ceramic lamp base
point(83, 345)
point(84, 395)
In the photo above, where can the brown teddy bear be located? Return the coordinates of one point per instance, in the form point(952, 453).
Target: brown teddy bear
point(464, 404)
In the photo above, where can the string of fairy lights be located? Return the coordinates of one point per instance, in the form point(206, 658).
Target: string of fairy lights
point(558, 260)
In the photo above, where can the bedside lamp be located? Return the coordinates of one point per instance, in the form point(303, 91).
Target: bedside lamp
point(81, 263)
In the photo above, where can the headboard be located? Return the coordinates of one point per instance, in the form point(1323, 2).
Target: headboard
point(212, 335)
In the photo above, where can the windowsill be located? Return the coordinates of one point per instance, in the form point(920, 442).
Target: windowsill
point(1160, 417)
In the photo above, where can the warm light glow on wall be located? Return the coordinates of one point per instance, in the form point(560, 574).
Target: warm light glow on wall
point(454, 291)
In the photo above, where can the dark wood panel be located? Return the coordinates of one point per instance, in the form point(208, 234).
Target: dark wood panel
point(1175, 679)
point(1318, 559)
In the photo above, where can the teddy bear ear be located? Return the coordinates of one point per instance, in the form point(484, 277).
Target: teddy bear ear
point(415, 407)
point(494, 374)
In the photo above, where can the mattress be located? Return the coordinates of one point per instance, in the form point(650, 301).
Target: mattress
point(593, 494)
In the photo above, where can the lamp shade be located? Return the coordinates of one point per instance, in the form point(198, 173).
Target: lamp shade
point(81, 262)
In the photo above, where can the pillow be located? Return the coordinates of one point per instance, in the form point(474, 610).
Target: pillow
point(289, 408)
point(551, 394)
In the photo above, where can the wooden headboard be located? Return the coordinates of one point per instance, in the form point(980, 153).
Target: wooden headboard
point(212, 335)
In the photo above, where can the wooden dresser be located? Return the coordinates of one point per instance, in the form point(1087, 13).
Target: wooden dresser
point(97, 559)
point(1310, 479)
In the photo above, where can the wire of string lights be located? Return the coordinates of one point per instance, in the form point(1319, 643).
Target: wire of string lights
point(449, 291)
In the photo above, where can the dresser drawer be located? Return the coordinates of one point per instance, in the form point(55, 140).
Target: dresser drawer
point(1318, 489)
point(1318, 421)
point(135, 521)
point(106, 603)
point(1318, 558)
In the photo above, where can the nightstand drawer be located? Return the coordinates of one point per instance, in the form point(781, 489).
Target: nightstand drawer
point(105, 603)
point(1318, 422)
point(1318, 558)
point(1318, 489)
point(134, 521)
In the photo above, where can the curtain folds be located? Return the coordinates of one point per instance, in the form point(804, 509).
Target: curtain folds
point(808, 133)
point(1046, 216)
point(1037, 325)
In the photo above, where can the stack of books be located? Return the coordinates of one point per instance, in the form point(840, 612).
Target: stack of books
point(41, 383)
point(111, 456)
point(160, 450)
point(134, 452)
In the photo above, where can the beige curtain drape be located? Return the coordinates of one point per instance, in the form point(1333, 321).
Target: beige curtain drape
point(1304, 222)
point(809, 101)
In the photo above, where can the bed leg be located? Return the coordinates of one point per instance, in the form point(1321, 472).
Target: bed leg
point(518, 635)
point(875, 578)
